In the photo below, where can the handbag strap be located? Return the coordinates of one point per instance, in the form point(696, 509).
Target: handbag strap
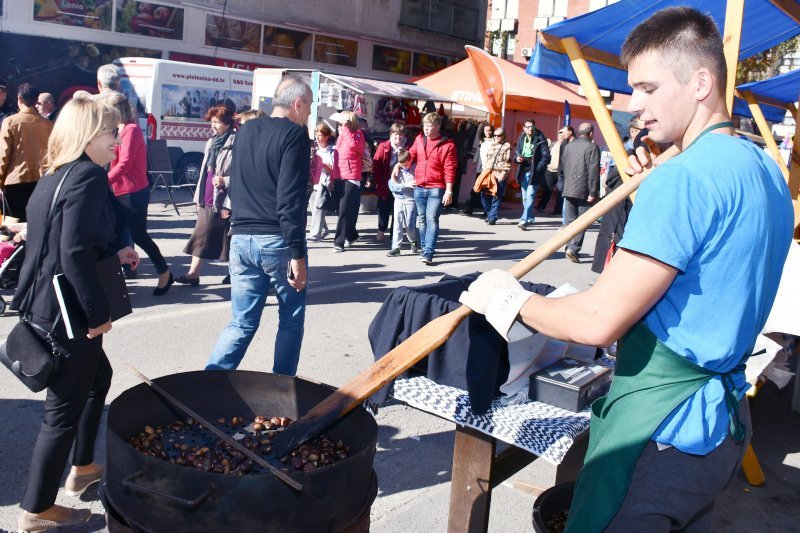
point(39, 258)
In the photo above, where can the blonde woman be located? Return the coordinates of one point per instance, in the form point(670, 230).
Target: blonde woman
point(79, 234)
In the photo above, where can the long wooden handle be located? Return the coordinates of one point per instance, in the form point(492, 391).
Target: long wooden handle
point(430, 336)
point(227, 438)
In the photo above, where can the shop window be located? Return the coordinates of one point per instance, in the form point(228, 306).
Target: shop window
point(390, 59)
point(94, 14)
point(148, 18)
point(446, 17)
point(233, 33)
point(427, 64)
point(281, 42)
point(335, 51)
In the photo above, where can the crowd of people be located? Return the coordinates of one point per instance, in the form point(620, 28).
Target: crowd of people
point(81, 185)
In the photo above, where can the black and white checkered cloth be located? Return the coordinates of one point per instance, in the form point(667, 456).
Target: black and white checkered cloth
point(540, 428)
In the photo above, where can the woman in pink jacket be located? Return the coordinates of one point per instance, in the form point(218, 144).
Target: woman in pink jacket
point(128, 178)
point(347, 189)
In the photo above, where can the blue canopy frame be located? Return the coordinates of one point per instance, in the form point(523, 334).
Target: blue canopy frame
point(764, 26)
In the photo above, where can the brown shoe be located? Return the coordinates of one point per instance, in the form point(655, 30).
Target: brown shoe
point(77, 484)
point(30, 522)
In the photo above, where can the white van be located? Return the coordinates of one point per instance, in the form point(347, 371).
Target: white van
point(172, 97)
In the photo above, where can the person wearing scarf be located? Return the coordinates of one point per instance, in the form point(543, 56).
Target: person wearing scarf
point(209, 240)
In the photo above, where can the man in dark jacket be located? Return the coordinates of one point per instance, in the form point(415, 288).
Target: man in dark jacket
point(579, 169)
point(5, 108)
point(269, 171)
point(532, 154)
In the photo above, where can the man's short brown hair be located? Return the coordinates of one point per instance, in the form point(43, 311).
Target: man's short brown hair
point(403, 155)
point(686, 39)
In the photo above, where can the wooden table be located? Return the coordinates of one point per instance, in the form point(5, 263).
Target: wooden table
point(491, 448)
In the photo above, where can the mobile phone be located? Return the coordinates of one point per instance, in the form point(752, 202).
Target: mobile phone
point(289, 271)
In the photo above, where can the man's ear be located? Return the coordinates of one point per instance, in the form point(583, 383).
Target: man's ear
point(703, 83)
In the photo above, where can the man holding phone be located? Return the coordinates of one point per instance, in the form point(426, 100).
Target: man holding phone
point(269, 173)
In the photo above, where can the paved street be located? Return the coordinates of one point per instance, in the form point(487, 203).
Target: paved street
point(175, 333)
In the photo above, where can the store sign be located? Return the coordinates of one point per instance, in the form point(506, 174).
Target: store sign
point(335, 51)
point(95, 14)
point(233, 33)
point(427, 64)
point(291, 44)
point(391, 59)
point(148, 18)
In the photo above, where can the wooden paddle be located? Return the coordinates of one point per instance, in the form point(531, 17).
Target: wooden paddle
point(429, 337)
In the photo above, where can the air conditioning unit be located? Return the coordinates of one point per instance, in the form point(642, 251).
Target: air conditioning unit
point(526, 52)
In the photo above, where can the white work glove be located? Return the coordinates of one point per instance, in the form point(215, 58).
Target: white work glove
point(498, 296)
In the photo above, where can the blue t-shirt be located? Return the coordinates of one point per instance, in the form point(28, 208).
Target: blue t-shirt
point(721, 214)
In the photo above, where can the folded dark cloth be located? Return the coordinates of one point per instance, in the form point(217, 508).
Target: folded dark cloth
point(474, 358)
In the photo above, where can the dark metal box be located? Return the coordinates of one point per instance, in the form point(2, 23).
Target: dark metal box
point(570, 384)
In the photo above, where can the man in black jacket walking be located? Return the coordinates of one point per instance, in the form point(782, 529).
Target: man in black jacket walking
point(579, 169)
point(532, 154)
point(269, 172)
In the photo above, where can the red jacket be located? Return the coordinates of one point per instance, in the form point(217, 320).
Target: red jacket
point(128, 171)
point(436, 161)
point(350, 146)
point(382, 169)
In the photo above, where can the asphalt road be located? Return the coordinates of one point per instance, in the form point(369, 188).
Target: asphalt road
point(175, 333)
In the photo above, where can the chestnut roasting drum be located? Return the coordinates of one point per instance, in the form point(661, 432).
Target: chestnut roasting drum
point(146, 493)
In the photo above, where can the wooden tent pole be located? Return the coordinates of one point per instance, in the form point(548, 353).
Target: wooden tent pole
point(586, 79)
point(794, 163)
point(763, 128)
point(731, 40)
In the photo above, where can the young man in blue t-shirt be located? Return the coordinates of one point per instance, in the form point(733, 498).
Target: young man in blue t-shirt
point(687, 293)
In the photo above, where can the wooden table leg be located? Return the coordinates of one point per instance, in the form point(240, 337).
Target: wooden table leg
point(470, 487)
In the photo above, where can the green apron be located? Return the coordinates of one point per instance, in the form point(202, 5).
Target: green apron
point(650, 381)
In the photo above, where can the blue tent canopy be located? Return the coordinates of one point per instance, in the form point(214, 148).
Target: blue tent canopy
point(784, 88)
point(764, 25)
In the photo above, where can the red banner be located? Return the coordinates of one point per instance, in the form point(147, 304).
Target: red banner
point(490, 80)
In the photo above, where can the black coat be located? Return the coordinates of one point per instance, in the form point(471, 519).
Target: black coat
point(612, 226)
point(474, 358)
point(81, 233)
point(540, 157)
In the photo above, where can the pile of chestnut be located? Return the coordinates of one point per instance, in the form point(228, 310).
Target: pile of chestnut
point(170, 443)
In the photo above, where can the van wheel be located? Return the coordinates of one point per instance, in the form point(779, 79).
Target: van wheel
point(2, 305)
point(189, 167)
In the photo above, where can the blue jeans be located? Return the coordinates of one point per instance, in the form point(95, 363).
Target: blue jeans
point(429, 207)
point(528, 191)
point(258, 262)
point(491, 204)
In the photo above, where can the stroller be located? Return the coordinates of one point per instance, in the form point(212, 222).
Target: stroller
point(11, 255)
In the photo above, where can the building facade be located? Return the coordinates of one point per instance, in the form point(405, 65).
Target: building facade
point(512, 24)
point(384, 39)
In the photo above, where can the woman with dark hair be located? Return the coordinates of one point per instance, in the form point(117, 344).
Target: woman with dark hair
point(324, 170)
point(209, 239)
point(347, 188)
point(128, 179)
point(70, 238)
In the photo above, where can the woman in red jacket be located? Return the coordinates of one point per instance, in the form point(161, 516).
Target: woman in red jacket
point(128, 178)
point(347, 189)
point(382, 164)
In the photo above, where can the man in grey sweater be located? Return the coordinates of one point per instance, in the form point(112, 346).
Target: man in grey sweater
point(579, 170)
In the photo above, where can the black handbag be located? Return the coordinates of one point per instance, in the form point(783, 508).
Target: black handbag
point(325, 201)
point(31, 352)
